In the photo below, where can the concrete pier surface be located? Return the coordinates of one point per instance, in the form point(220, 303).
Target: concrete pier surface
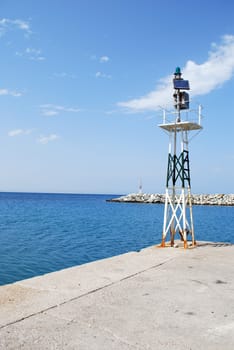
point(158, 298)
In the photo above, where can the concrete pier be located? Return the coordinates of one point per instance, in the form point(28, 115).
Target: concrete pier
point(158, 298)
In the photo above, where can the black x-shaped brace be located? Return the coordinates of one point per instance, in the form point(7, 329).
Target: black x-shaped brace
point(178, 168)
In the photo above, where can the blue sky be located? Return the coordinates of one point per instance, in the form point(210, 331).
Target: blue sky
point(81, 83)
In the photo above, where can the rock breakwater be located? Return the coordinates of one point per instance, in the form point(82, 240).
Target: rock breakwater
point(197, 199)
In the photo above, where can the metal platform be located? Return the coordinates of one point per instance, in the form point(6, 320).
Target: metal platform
point(180, 126)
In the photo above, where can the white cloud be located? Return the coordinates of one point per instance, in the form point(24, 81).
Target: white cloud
point(103, 75)
point(7, 24)
point(204, 77)
point(5, 92)
point(34, 54)
point(64, 75)
point(101, 59)
point(46, 139)
point(15, 132)
point(113, 111)
point(18, 132)
point(52, 110)
point(49, 112)
point(31, 54)
point(16, 93)
point(104, 59)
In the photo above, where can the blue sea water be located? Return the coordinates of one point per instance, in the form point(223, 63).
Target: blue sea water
point(40, 233)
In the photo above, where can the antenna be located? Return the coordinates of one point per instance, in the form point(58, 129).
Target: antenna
point(140, 186)
point(178, 216)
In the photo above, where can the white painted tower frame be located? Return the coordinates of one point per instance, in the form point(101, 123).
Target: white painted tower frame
point(178, 215)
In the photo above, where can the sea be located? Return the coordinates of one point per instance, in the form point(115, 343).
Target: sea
point(41, 233)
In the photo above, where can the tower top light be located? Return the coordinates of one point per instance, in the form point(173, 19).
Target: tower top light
point(177, 73)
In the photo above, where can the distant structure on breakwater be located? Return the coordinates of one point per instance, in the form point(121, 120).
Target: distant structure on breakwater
point(197, 199)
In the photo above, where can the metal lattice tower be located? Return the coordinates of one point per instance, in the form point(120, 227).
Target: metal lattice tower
point(178, 215)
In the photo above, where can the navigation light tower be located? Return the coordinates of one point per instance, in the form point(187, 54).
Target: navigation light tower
point(178, 216)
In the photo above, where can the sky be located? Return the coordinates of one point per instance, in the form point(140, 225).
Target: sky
point(83, 84)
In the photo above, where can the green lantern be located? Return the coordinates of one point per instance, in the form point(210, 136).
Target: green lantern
point(177, 71)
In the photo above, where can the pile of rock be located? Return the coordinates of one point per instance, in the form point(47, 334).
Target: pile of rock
point(213, 199)
point(141, 198)
point(197, 199)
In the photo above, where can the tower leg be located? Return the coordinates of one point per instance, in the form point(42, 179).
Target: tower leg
point(173, 223)
point(172, 231)
point(191, 217)
point(164, 234)
point(184, 202)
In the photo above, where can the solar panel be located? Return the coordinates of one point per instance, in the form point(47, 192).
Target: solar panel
point(181, 84)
